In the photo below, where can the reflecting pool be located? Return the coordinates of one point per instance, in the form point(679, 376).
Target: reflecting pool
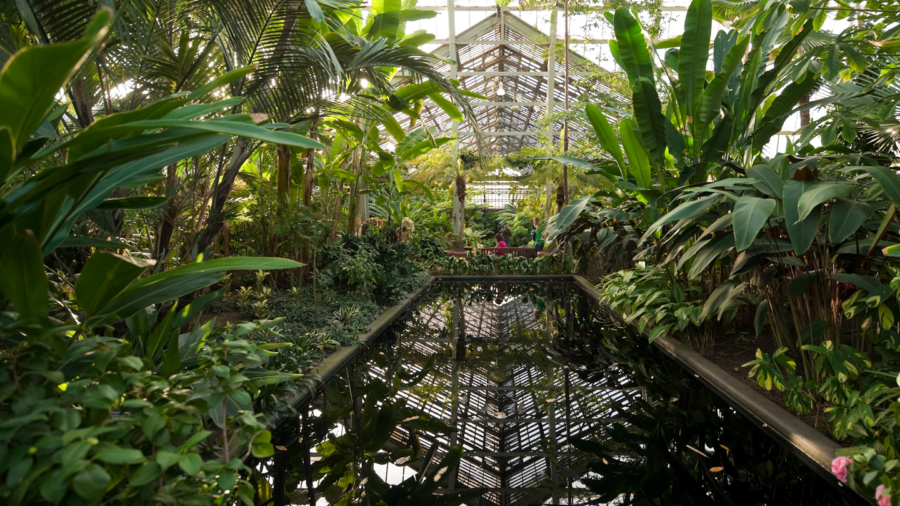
point(525, 394)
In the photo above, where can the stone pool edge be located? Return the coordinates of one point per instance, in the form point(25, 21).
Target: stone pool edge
point(809, 445)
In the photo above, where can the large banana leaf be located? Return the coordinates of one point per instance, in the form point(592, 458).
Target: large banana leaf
point(386, 20)
point(638, 162)
point(750, 215)
point(650, 119)
point(711, 102)
point(634, 56)
point(608, 140)
point(693, 55)
point(802, 233)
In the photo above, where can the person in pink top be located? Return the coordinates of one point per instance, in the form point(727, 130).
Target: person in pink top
point(500, 242)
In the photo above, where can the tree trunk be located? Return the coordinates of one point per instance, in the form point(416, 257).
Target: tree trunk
point(804, 114)
point(167, 228)
point(461, 196)
point(81, 103)
point(310, 165)
point(337, 213)
point(283, 183)
point(214, 224)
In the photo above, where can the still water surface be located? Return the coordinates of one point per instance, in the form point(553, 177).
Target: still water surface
point(526, 394)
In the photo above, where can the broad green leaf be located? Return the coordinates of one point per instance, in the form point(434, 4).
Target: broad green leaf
point(888, 180)
point(608, 140)
point(686, 210)
point(247, 130)
point(868, 283)
point(7, 152)
point(750, 215)
point(710, 252)
point(803, 233)
point(711, 102)
point(846, 217)
point(650, 119)
point(315, 11)
point(882, 228)
point(91, 483)
point(632, 47)
point(762, 316)
point(386, 22)
point(145, 474)
point(91, 242)
point(638, 162)
point(179, 281)
point(33, 76)
point(782, 61)
point(132, 203)
point(717, 144)
point(780, 109)
point(22, 277)
point(104, 276)
point(120, 456)
point(768, 179)
point(694, 54)
point(447, 106)
point(570, 213)
point(191, 463)
point(658, 331)
point(820, 193)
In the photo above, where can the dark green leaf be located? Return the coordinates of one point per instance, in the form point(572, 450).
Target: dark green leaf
point(803, 233)
point(608, 140)
point(105, 275)
point(22, 277)
point(819, 193)
point(133, 203)
point(694, 54)
point(91, 483)
point(650, 119)
point(633, 53)
point(750, 215)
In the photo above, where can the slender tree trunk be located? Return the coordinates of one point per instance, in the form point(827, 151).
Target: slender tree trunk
point(461, 195)
point(214, 224)
point(167, 228)
point(81, 103)
point(337, 206)
point(353, 203)
point(804, 114)
point(307, 193)
point(283, 183)
point(310, 165)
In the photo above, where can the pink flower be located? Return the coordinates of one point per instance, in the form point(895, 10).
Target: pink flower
point(882, 498)
point(840, 466)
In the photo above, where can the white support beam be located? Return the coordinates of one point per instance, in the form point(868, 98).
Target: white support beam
point(511, 134)
point(508, 104)
point(460, 8)
point(515, 42)
point(551, 71)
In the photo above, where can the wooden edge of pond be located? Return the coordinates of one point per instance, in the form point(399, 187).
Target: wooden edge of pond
point(809, 445)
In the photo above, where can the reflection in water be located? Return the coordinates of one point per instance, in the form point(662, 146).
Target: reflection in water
point(524, 394)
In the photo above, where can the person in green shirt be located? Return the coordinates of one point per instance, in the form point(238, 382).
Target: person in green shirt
point(538, 233)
